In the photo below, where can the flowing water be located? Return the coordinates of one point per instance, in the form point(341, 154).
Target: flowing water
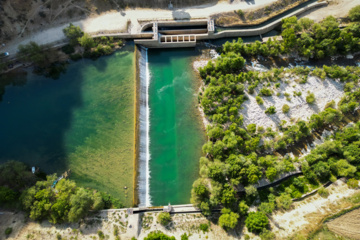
point(83, 121)
point(176, 130)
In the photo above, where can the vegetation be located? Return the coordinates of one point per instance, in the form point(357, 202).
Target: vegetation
point(310, 98)
point(63, 203)
point(285, 108)
point(228, 219)
point(164, 218)
point(354, 13)
point(237, 157)
point(270, 110)
point(8, 231)
point(256, 222)
point(158, 235)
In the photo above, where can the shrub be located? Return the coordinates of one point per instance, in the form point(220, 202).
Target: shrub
point(330, 104)
point(156, 235)
point(251, 128)
point(259, 100)
point(8, 231)
point(270, 110)
point(285, 108)
point(164, 218)
point(256, 222)
point(267, 235)
point(323, 192)
point(353, 183)
point(240, 13)
point(204, 227)
point(101, 235)
point(310, 98)
point(266, 92)
point(184, 237)
point(354, 13)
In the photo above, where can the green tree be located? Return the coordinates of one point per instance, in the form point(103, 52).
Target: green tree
point(164, 218)
point(73, 33)
point(310, 98)
point(271, 173)
point(228, 219)
point(81, 203)
point(284, 201)
point(256, 222)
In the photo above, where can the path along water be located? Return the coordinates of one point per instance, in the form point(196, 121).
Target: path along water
point(82, 121)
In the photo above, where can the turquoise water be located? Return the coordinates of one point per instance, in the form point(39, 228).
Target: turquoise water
point(176, 131)
point(82, 121)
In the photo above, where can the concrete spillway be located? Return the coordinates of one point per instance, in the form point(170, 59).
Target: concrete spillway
point(144, 153)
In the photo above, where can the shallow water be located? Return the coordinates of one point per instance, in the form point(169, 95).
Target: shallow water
point(176, 130)
point(82, 121)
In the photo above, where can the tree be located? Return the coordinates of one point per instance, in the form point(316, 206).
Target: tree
point(353, 183)
point(256, 222)
point(284, 201)
point(7, 195)
point(354, 13)
point(158, 235)
point(81, 203)
point(344, 169)
point(228, 219)
point(164, 218)
point(251, 190)
point(271, 173)
point(86, 41)
point(73, 33)
point(270, 110)
point(267, 235)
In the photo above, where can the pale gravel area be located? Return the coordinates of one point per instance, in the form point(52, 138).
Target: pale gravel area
point(118, 20)
point(287, 223)
point(324, 91)
point(336, 8)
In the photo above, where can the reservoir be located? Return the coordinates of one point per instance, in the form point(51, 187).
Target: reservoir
point(84, 121)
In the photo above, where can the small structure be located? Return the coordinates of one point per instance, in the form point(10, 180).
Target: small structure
point(130, 211)
point(33, 170)
point(167, 208)
point(170, 6)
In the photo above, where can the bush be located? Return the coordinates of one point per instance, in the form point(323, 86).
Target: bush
point(310, 98)
point(267, 235)
point(323, 192)
point(256, 222)
point(101, 235)
point(158, 235)
point(285, 108)
point(353, 183)
point(270, 110)
point(204, 227)
point(259, 100)
point(240, 13)
point(266, 92)
point(243, 208)
point(8, 231)
point(184, 237)
point(354, 13)
point(164, 218)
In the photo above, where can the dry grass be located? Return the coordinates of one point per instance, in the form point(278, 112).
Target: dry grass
point(347, 225)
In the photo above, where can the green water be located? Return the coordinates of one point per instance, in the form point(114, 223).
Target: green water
point(82, 121)
point(176, 131)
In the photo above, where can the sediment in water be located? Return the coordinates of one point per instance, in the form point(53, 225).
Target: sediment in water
point(143, 187)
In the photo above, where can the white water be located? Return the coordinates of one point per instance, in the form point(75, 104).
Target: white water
point(144, 117)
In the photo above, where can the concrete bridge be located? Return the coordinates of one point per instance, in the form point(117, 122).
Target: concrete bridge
point(185, 33)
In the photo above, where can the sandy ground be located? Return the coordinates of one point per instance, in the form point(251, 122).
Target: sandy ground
point(118, 20)
point(324, 91)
